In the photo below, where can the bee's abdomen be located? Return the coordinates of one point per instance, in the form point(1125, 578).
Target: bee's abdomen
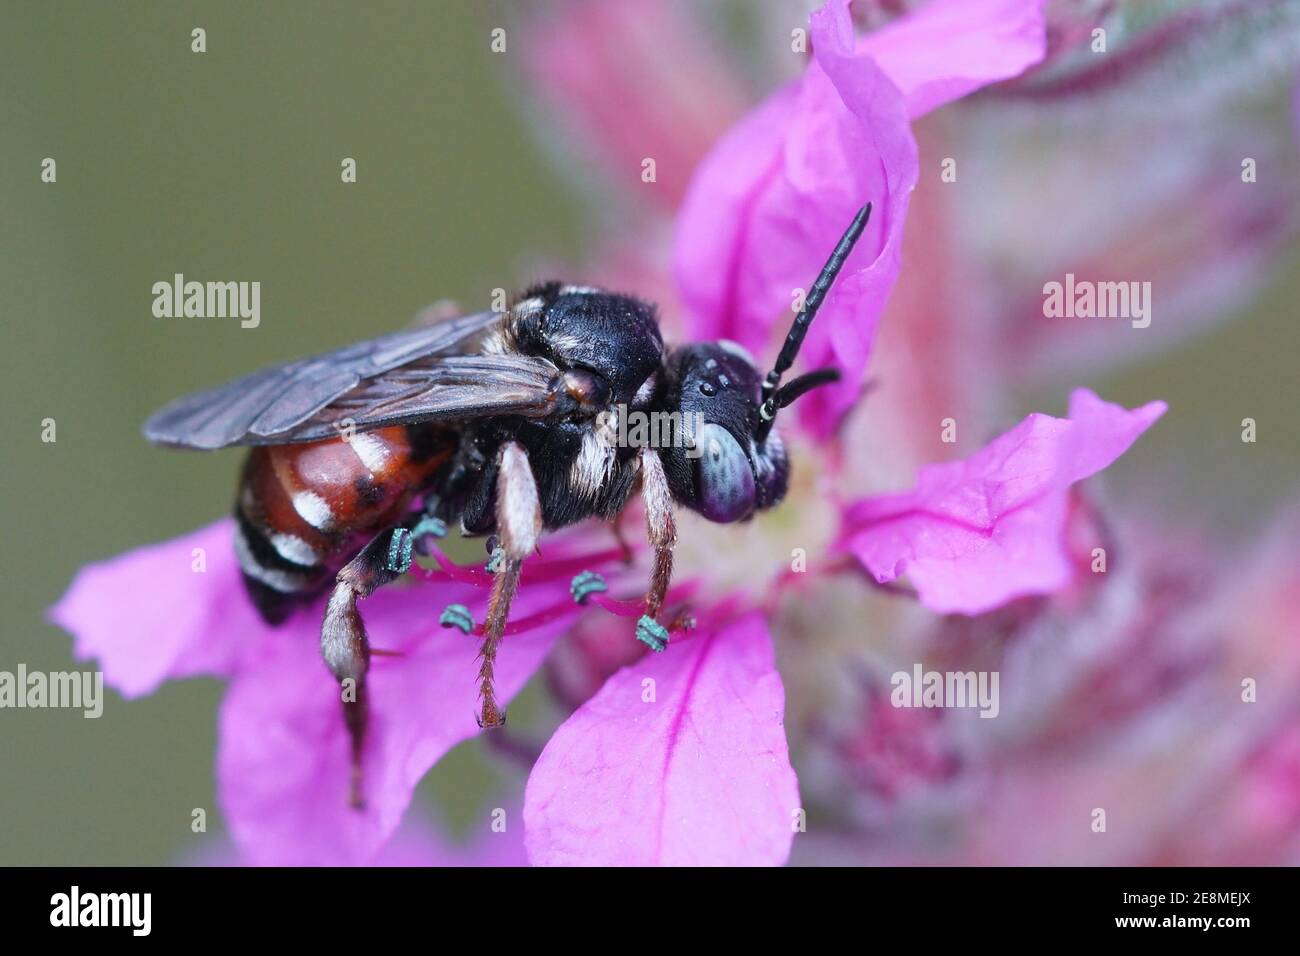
point(304, 510)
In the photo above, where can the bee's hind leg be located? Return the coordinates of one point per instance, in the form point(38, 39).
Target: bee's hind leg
point(661, 529)
point(343, 639)
point(519, 524)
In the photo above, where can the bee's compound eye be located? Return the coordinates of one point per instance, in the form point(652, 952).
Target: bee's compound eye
point(724, 478)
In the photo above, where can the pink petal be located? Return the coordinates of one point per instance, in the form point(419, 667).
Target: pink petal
point(700, 776)
point(949, 48)
point(770, 201)
point(586, 657)
point(149, 616)
point(976, 533)
point(283, 763)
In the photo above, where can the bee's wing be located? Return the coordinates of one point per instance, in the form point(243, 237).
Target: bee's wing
point(440, 388)
point(417, 374)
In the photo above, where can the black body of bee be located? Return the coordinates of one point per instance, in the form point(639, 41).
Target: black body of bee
point(502, 422)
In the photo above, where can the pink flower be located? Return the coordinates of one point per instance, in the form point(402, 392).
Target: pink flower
point(678, 758)
point(1166, 698)
point(772, 198)
point(282, 761)
point(690, 745)
point(974, 534)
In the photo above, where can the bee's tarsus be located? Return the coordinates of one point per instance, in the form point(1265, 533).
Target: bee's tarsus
point(457, 616)
point(652, 634)
point(490, 717)
point(585, 584)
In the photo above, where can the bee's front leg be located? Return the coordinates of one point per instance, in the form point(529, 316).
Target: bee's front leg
point(519, 524)
point(343, 639)
point(661, 529)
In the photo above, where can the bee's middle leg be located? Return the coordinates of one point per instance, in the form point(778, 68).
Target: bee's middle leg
point(661, 528)
point(519, 524)
point(343, 639)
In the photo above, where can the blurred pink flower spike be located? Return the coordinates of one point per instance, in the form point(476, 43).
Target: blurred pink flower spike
point(769, 202)
point(679, 760)
point(614, 94)
point(974, 534)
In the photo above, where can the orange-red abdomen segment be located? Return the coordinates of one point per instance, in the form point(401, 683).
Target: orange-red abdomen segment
point(304, 510)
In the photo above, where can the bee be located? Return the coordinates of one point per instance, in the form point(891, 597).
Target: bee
point(493, 421)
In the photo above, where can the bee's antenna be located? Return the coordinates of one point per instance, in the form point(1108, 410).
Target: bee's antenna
point(772, 398)
point(805, 383)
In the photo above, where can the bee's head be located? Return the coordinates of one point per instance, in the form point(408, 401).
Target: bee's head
point(719, 467)
point(733, 461)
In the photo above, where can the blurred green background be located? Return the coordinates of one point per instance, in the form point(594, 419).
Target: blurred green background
point(226, 165)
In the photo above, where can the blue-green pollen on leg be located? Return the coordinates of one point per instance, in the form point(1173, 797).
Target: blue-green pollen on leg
point(651, 633)
point(431, 527)
point(586, 584)
point(457, 616)
point(399, 551)
point(496, 562)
